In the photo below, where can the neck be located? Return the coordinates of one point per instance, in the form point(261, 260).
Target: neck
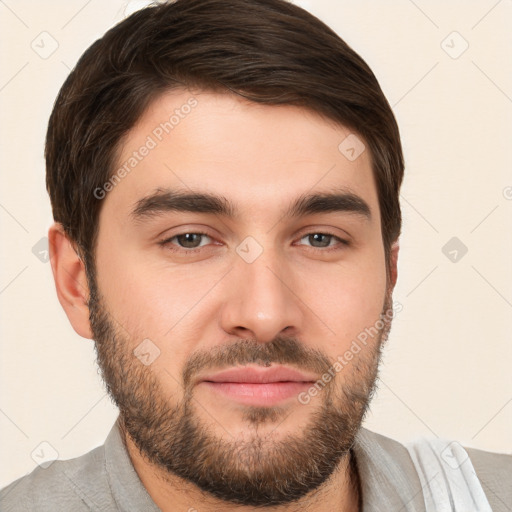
point(341, 492)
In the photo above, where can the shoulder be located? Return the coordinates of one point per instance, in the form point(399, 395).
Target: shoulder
point(387, 460)
point(494, 470)
point(385, 447)
point(485, 476)
point(387, 474)
point(77, 484)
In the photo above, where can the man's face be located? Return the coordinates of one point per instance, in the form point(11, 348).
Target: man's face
point(263, 288)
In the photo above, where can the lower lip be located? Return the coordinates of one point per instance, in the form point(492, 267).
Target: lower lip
point(258, 394)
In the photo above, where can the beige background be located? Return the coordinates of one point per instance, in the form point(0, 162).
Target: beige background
point(447, 366)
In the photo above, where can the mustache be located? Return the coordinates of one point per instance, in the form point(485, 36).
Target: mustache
point(280, 350)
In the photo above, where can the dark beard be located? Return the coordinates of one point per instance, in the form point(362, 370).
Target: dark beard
point(262, 470)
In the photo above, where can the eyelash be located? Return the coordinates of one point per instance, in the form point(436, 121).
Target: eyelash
point(167, 242)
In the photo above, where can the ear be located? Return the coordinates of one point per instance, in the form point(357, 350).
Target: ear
point(70, 280)
point(393, 264)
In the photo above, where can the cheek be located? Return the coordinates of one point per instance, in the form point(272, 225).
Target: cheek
point(151, 309)
point(348, 299)
point(152, 300)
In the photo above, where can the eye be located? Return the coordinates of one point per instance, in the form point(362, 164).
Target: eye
point(186, 241)
point(193, 241)
point(323, 241)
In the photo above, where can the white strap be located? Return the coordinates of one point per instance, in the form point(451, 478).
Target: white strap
point(447, 477)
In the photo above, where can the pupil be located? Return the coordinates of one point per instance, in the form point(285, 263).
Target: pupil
point(187, 240)
point(317, 238)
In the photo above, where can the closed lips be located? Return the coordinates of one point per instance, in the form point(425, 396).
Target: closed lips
point(258, 375)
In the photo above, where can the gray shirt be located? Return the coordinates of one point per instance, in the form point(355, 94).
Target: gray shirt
point(105, 480)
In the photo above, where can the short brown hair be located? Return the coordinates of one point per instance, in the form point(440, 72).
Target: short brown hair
point(268, 51)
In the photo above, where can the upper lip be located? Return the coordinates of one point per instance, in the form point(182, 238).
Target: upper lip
point(259, 375)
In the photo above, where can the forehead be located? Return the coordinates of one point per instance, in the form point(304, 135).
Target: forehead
point(259, 156)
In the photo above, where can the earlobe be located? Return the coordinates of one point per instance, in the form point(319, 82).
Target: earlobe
point(70, 280)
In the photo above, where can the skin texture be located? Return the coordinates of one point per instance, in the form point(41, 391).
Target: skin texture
point(300, 304)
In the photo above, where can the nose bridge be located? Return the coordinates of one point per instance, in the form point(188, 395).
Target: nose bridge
point(262, 304)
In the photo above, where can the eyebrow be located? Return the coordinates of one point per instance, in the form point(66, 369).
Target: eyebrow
point(168, 200)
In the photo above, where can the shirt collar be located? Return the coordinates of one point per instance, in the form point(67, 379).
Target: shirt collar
point(128, 491)
point(387, 475)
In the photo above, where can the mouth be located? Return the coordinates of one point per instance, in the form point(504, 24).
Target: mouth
point(258, 386)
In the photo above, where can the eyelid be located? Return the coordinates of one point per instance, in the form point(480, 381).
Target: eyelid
point(344, 236)
point(167, 240)
point(342, 243)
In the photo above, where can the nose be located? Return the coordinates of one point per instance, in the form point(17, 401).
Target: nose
point(261, 302)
